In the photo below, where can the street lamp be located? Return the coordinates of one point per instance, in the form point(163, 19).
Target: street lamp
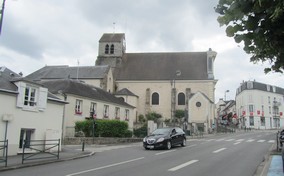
point(173, 106)
point(225, 94)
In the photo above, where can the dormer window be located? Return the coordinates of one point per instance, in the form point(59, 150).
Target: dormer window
point(112, 49)
point(107, 49)
point(31, 97)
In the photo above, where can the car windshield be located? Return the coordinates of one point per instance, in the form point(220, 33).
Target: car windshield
point(161, 131)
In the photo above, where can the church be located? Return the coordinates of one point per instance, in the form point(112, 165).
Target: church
point(160, 82)
point(163, 82)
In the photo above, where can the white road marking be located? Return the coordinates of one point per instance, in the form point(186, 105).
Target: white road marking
point(250, 140)
point(228, 140)
point(165, 152)
point(260, 140)
point(183, 165)
point(107, 166)
point(271, 141)
point(219, 150)
point(237, 143)
point(220, 140)
point(240, 140)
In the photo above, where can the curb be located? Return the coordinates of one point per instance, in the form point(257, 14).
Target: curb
point(45, 162)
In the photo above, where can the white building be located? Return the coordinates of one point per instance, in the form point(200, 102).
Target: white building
point(28, 111)
point(260, 106)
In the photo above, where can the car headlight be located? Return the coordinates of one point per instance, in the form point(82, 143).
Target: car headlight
point(160, 139)
point(144, 139)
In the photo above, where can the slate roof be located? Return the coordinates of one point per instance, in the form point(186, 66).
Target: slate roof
point(125, 91)
point(6, 78)
point(112, 37)
point(163, 66)
point(75, 87)
point(259, 86)
point(66, 72)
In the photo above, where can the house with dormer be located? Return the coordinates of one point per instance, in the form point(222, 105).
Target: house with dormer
point(28, 111)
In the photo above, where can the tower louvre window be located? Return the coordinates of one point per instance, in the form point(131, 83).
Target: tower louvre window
point(112, 49)
point(107, 49)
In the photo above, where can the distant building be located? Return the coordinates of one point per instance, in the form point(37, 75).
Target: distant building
point(151, 82)
point(260, 106)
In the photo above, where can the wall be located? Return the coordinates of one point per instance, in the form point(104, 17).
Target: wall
point(40, 121)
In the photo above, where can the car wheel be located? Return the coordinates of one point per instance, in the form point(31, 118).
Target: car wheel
point(183, 143)
point(169, 145)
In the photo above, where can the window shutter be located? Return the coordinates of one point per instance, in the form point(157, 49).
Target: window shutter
point(42, 99)
point(21, 94)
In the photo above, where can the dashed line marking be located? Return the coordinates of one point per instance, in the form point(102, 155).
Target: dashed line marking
point(183, 165)
point(219, 150)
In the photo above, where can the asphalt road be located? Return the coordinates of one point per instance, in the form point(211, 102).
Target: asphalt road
point(222, 155)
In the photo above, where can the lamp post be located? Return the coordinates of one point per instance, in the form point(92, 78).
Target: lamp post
point(2, 15)
point(173, 106)
point(225, 94)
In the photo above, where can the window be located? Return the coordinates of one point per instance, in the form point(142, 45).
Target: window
point(25, 137)
point(268, 88)
point(268, 99)
point(30, 96)
point(210, 64)
point(181, 99)
point(107, 49)
point(126, 114)
point(106, 111)
point(250, 85)
point(117, 113)
point(93, 110)
point(251, 108)
point(251, 121)
point(198, 104)
point(78, 107)
point(269, 109)
point(112, 49)
point(155, 98)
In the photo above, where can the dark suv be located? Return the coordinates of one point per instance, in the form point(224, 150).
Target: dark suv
point(165, 138)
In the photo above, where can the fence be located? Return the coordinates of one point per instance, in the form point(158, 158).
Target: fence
point(40, 149)
point(4, 148)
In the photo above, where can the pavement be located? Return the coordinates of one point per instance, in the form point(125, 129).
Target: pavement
point(271, 165)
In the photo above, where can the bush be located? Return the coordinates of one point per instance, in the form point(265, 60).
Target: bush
point(140, 132)
point(104, 128)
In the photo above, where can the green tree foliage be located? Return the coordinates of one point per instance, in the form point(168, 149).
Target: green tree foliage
point(153, 116)
point(104, 128)
point(259, 24)
point(140, 132)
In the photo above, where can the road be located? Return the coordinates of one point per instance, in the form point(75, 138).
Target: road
point(237, 154)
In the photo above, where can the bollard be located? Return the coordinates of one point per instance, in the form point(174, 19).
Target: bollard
point(83, 146)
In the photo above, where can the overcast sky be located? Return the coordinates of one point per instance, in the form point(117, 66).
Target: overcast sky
point(36, 33)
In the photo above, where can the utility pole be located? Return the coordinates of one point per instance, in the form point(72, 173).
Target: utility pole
point(2, 15)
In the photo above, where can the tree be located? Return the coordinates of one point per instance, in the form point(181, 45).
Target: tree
point(153, 116)
point(179, 114)
point(259, 25)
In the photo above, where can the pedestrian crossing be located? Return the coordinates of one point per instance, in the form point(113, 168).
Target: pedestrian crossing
point(234, 140)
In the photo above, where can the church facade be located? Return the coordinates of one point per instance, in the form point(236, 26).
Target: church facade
point(163, 82)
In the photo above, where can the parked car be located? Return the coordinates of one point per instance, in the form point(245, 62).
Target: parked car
point(165, 138)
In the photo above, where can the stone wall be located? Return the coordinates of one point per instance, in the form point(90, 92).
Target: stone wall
point(99, 140)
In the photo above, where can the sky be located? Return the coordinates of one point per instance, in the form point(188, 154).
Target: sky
point(66, 32)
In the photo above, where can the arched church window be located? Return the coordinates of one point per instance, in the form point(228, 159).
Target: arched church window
point(107, 49)
point(155, 98)
point(181, 99)
point(112, 49)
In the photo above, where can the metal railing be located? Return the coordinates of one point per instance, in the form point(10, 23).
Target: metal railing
point(40, 149)
point(4, 148)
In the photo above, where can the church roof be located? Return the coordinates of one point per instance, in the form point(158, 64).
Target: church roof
point(163, 66)
point(125, 91)
point(112, 37)
point(66, 72)
point(76, 87)
point(6, 78)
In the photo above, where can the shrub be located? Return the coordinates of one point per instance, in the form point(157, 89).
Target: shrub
point(140, 132)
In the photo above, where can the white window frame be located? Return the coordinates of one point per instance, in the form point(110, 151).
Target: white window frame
point(93, 110)
point(117, 113)
point(106, 111)
point(78, 107)
point(30, 97)
point(126, 114)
